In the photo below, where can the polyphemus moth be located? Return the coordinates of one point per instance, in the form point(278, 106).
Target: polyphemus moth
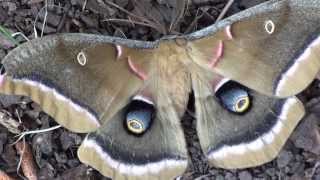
point(130, 95)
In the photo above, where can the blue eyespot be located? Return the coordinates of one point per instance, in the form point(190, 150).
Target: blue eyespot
point(234, 97)
point(139, 116)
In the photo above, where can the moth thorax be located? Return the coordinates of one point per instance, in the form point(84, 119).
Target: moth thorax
point(234, 97)
point(139, 116)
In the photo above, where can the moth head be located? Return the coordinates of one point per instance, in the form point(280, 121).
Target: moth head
point(139, 115)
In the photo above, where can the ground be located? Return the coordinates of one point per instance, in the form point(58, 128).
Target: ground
point(54, 152)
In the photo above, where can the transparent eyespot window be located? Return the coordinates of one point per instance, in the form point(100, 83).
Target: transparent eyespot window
point(139, 116)
point(234, 97)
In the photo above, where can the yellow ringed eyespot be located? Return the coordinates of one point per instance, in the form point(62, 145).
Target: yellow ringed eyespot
point(242, 104)
point(139, 115)
point(234, 97)
point(135, 126)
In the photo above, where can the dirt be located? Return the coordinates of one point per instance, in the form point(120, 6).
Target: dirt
point(55, 152)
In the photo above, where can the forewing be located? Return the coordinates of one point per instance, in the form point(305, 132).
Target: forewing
point(75, 78)
point(272, 48)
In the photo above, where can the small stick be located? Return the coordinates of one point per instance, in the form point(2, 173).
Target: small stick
point(11, 124)
point(84, 5)
point(27, 163)
point(142, 19)
point(131, 22)
point(45, 7)
point(23, 134)
point(124, 10)
point(5, 176)
point(20, 34)
point(45, 18)
point(193, 24)
point(314, 169)
point(224, 11)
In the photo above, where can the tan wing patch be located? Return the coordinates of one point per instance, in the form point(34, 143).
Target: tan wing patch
point(66, 112)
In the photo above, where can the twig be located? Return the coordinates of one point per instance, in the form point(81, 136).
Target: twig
point(130, 22)
point(20, 161)
point(45, 18)
point(149, 18)
point(63, 20)
point(84, 5)
point(5, 176)
point(124, 10)
point(119, 33)
point(11, 124)
point(20, 34)
point(23, 134)
point(181, 9)
point(26, 158)
point(193, 24)
point(224, 11)
point(35, 22)
point(314, 169)
point(143, 20)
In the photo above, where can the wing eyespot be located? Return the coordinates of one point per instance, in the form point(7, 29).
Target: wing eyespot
point(234, 97)
point(81, 58)
point(139, 115)
point(269, 26)
point(242, 104)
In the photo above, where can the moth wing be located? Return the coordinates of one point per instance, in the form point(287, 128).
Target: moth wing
point(272, 48)
point(159, 153)
point(232, 140)
point(76, 78)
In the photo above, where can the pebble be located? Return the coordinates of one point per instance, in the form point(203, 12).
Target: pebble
point(284, 158)
point(43, 142)
point(219, 177)
point(47, 30)
point(52, 18)
point(10, 5)
point(307, 135)
point(90, 21)
point(7, 100)
point(230, 176)
point(245, 175)
point(9, 156)
point(68, 140)
point(61, 157)
point(46, 172)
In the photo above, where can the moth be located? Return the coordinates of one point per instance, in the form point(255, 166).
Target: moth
point(244, 72)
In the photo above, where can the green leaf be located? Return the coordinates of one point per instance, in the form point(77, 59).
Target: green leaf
point(5, 32)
